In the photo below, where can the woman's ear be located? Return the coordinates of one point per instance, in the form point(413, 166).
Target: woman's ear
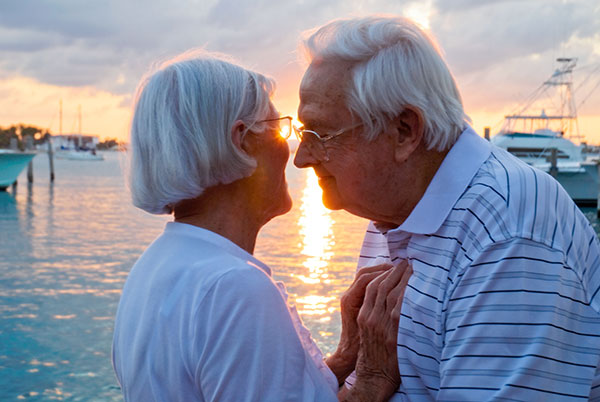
point(409, 130)
point(238, 132)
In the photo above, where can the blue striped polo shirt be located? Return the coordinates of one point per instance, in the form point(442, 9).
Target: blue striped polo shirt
point(504, 300)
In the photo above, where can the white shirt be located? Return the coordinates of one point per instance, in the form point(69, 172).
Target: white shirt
point(504, 299)
point(200, 319)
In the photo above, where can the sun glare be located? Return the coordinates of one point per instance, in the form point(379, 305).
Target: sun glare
point(419, 13)
point(285, 132)
point(285, 129)
point(296, 122)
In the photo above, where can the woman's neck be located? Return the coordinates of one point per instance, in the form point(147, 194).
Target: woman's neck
point(223, 210)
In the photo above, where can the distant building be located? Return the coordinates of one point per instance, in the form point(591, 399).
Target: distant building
point(74, 142)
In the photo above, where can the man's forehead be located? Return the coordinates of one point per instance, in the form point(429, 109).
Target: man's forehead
point(324, 82)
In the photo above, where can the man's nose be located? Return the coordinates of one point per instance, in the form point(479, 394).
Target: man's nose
point(304, 158)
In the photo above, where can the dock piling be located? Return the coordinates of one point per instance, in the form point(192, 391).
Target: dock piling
point(50, 156)
point(14, 145)
point(553, 167)
point(29, 147)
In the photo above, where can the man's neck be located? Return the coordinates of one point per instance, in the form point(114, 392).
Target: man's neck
point(414, 179)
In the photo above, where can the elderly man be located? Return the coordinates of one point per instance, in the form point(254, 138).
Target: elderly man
point(503, 303)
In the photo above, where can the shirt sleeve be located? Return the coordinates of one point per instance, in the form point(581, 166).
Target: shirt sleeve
point(518, 326)
point(248, 347)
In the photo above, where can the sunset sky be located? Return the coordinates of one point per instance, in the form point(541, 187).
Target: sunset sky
point(93, 53)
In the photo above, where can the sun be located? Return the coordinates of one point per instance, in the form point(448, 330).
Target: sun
point(285, 129)
point(420, 13)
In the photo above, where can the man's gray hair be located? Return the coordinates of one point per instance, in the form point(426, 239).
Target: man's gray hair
point(180, 137)
point(396, 64)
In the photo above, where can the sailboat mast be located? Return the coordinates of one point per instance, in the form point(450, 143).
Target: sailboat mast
point(79, 109)
point(60, 117)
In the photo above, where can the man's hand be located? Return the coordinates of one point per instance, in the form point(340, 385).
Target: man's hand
point(343, 361)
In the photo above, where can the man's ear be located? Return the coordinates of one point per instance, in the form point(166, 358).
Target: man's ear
point(409, 128)
point(238, 134)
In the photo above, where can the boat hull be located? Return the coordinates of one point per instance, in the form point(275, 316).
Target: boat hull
point(581, 186)
point(11, 165)
point(577, 175)
point(78, 156)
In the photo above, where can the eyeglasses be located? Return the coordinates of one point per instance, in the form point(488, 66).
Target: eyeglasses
point(316, 143)
point(285, 125)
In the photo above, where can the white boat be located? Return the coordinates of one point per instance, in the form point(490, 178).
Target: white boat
point(75, 149)
point(80, 155)
point(551, 142)
point(12, 164)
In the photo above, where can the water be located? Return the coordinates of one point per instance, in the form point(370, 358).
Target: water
point(66, 249)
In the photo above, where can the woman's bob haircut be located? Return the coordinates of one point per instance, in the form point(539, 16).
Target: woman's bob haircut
point(395, 64)
point(180, 137)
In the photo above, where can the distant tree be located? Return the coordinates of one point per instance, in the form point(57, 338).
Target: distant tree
point(39, 134)
point(109, 143)
point(6, 134)
point(19, 131)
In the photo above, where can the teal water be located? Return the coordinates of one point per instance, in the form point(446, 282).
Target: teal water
point(66, 249)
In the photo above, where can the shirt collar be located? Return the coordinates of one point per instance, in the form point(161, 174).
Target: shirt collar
point(217, 240)
point(452, 178)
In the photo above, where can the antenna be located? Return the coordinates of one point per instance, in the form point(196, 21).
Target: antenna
point(564, 118)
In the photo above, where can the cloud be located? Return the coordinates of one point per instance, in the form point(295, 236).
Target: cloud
point(499, 50)
point(90, 43)
point(69, 42)
point(478, 35)
point(445, 6)
point(65, 18)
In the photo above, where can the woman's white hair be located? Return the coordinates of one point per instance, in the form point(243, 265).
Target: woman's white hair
point(396, 64)
point(180, 137)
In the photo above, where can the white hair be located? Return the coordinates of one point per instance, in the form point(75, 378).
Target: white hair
point(395, 64)
point(180, 137)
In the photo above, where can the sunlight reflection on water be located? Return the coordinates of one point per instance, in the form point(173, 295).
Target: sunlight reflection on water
point(66, 250)
point(315, 229)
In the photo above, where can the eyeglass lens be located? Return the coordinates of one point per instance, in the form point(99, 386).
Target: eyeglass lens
point(285, 128)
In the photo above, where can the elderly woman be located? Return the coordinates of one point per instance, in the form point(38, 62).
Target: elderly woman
point(201, 319)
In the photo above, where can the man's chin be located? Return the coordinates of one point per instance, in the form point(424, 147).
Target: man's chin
point(330, 196)
point(332, 203)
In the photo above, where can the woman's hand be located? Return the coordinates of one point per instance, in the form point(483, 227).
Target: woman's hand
point(343, 361)
point(377, 375)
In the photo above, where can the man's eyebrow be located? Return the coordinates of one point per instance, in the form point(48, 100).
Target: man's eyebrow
point(310, 124)
point(304, 122)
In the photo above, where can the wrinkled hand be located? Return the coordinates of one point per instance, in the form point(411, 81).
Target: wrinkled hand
point(343, 361)
point(377, 374)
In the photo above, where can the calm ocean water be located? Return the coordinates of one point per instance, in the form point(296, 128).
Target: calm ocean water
point(66, 249)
